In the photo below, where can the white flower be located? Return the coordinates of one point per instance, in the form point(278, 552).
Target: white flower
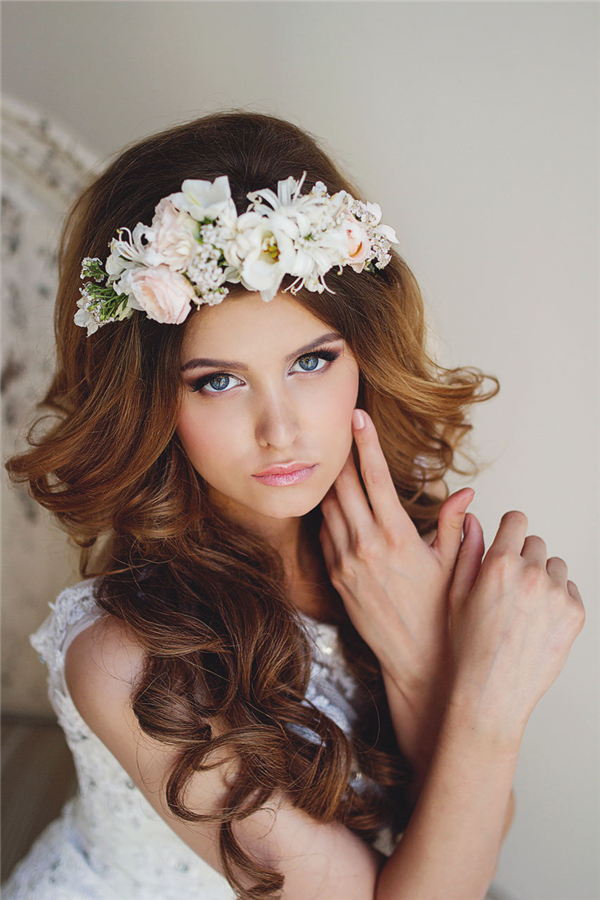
point(162, 294)
point(84, 318)
point(133, 252)
point(205, 199)
point(262, 251)
point(173, 235)
point(386, 233)
point(197, 242)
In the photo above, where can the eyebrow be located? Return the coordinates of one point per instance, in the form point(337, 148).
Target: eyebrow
point(242, 367)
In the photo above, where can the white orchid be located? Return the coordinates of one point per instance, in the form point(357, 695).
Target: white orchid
point(125, 254)
point(205, 199)
point(197, 243)
point(263, 251)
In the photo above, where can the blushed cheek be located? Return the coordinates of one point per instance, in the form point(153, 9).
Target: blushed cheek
point(208, 447)
point(337, 421)
point(346, 397)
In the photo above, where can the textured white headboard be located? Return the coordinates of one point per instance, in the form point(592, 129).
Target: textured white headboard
point(43, 169)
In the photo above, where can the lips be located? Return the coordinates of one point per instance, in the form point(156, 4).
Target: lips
point(284, 468)
point(283, 479)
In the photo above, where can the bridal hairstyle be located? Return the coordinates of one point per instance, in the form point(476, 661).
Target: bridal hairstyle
point(202, 595)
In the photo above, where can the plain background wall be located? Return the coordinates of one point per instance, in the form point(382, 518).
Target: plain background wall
point(475, 126)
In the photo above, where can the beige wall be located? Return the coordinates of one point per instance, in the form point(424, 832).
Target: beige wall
point(474, 125)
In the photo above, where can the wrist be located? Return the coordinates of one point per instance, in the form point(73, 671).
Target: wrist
point(421, 681)
point(472, 709)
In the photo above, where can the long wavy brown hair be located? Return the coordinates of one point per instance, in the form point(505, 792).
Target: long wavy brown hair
point(204, 597)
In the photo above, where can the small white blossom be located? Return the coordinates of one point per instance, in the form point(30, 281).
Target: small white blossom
point(84, 318)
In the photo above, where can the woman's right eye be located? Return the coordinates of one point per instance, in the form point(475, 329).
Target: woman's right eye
point(221, 379)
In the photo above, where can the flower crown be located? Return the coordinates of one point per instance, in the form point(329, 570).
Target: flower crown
point(197, 242)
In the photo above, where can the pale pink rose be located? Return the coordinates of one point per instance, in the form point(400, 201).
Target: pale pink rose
point(359, 245)
point(173, 235)
point(162, 294)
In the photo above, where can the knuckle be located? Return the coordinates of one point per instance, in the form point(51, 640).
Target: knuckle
point(534, 576)
point(366, 549)
point(577, 611)
point(373, 476)
point(515, 517)
point(503, 564)
point(346, 569)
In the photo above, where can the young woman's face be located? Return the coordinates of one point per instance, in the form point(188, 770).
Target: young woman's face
point(269, 399)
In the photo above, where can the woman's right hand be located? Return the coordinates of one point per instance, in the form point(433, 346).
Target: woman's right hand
point(512, 622)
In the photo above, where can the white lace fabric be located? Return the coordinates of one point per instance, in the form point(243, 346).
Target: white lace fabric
point(108, 842)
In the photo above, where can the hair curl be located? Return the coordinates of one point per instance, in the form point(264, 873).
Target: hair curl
point(204, 597)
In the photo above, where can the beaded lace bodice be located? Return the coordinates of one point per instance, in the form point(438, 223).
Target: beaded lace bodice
point(109, 841)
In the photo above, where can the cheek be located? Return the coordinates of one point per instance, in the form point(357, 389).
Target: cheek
point(342, 400)
point(330, 415)
point(204, 440)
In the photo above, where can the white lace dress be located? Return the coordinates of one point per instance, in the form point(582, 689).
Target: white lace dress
point(108, 842)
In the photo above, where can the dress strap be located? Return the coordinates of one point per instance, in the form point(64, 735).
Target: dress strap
point(73, 610)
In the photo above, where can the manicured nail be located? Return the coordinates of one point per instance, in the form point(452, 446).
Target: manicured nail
point(358, 419)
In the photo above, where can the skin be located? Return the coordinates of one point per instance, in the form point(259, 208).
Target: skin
point(513, 615)
point(275, 412)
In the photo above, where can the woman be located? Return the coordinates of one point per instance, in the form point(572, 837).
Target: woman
point(268, 678)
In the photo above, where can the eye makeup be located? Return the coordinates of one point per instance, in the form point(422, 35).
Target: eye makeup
point(198, 384)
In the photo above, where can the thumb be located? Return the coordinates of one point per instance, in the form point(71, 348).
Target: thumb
point(451, 519)
point(468, 563)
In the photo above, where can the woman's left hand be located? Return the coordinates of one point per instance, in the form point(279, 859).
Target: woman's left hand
point(394, 584)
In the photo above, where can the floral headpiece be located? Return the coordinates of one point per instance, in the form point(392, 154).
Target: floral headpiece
point(197, 242)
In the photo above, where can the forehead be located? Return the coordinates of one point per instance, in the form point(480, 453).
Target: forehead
point(244, 326)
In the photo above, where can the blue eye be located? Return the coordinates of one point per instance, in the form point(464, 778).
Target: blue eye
point(221, 379)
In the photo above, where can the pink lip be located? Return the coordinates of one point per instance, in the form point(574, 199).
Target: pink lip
point(283, 468)
point(290, 477)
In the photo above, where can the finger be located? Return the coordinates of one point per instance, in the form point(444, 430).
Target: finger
point(534, 549)
point(468, 562)
point(353, 502)
point(557, 570)
point(388, 512)
point(510, 536)
point(328, 547)
point(336, 522)
point(451, 519)
point(574, 591)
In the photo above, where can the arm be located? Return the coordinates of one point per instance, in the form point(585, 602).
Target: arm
point(448, 848)
point(417, 725)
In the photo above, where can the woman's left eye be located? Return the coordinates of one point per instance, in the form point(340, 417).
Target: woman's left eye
point(201, 384)
point(328, 355)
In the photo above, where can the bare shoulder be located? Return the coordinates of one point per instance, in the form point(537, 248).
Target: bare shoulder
point(104, 657)
point(102, 666)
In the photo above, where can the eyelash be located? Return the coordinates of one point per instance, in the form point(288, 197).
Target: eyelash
point(198, 385)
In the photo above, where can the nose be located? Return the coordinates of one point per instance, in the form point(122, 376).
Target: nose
point(277, 423)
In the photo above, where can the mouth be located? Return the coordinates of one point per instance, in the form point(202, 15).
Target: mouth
point(294, 475)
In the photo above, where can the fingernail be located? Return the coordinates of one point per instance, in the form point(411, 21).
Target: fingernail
point(467, 524)
point(466, 503)
point(358, 419)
